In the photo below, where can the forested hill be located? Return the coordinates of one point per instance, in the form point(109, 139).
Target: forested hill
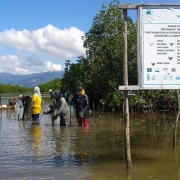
point(30, 80)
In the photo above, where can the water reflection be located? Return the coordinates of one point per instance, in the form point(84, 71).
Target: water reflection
point(55, 152)
point(35, 133)
point(81, 148)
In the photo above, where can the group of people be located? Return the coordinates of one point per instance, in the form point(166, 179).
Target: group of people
point(59, 105)
point(32, 105)
point(60, 101)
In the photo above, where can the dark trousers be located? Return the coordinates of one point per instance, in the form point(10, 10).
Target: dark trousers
point(35, 117)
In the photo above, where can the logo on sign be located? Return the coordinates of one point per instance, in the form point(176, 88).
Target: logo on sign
point(148, 13)
point(173, 69)
point(153, 77)
point(157, 70)
point(165, 69)
point(149, 69)
point(165, 77)
point(177, 77)
point(148, 77)
point(171, 77)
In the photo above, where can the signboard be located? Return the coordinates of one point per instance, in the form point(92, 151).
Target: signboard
point(160, 48)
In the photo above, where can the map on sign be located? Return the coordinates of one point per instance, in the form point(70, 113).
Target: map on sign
point(160, 47)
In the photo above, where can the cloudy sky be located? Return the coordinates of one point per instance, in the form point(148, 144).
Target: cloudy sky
point(39, 35)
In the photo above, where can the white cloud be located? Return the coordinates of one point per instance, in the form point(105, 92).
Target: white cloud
point(27, 64)
point(60, 44)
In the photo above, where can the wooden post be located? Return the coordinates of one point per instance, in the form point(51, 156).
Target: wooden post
point(70, 116)
point(93, 110)
point(1, 105)
point(0, 101)
point(176, 121)
point(126, 102)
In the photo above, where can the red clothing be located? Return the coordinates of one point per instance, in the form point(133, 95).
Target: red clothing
point(82, 121)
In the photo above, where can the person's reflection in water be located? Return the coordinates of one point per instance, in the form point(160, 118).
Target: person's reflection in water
point(81, 146)
point(11, 114)
point(61, 141)
point(35, 133)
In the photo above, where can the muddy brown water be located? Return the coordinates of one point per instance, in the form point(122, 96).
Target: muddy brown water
point(30, 151)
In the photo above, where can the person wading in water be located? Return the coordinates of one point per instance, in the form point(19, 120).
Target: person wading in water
point(59, 103)
point(81, 104)
point(36, 105)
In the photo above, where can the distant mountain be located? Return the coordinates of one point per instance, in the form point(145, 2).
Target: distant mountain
point(30, 80)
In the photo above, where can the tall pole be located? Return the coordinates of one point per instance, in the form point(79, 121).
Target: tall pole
point(0, 101)
point(126, 103)
point(176, 121)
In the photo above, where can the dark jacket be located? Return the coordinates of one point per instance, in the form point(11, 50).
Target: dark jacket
point(26, 102)
point(82, 105)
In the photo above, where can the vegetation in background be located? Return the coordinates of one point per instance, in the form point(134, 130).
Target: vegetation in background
point(54, 85)
point(101, 70)
point(7, 88)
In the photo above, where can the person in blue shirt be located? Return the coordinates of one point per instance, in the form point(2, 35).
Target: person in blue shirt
point(81, 104)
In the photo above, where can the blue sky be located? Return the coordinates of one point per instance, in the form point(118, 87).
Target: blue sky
point(39, 35)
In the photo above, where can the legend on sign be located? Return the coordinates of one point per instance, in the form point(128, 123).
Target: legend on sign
point(160, 47)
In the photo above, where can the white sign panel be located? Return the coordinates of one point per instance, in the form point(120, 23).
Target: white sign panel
point(160, 48)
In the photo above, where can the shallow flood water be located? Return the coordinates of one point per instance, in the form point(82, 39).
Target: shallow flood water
point(30, 151)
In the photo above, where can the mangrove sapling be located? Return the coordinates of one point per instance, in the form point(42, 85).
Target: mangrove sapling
point(165, 126)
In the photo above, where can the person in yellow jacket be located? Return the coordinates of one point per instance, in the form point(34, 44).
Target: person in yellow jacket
point(36, 104)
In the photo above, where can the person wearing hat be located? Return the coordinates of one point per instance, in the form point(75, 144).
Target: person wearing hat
point(26, 103)
point(51, 93)
point(11, 102)
point(26, 100)
point(63, 111)
point(81, 103)
point(65, 93)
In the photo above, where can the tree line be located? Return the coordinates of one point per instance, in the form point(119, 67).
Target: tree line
point(8, 88)
point(101, 70)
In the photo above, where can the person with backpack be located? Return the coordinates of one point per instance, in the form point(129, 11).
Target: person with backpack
point(81, 104)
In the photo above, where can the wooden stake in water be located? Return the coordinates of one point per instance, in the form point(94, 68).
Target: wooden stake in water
point(93, 110)
point(177, 119)
point(126, 101)
point(0, 101)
